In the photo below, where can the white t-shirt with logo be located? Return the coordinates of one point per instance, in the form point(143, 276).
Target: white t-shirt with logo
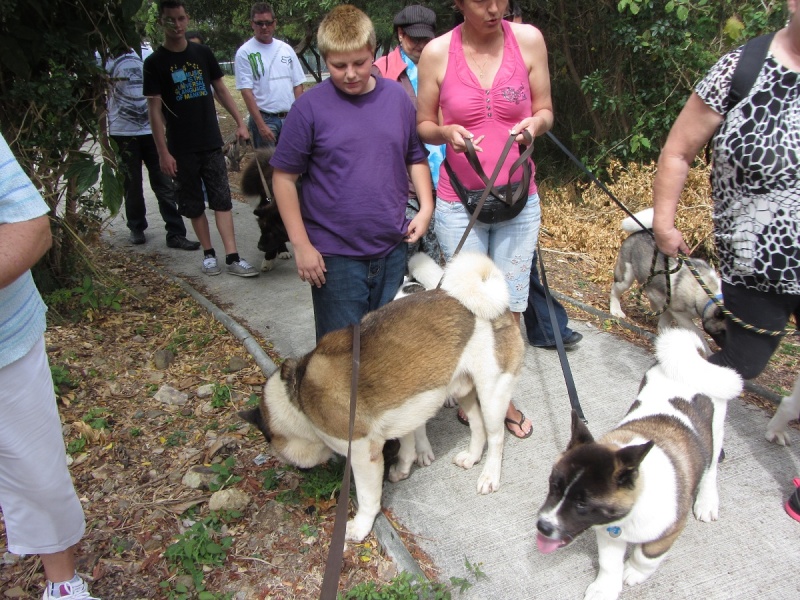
point(272, 71)
point(127, 107)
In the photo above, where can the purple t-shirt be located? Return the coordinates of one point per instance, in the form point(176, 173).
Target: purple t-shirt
point(352, 154)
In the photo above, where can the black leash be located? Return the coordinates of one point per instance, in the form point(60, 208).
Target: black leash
point(333, 566)
point(562, 353)
point(682, 258)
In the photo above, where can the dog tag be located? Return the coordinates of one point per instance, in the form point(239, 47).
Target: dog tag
point(614, 532)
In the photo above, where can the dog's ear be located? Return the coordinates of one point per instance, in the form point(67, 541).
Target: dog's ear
point(254, 418)
point(288, 368)
point(580, 433)
point(627, 464)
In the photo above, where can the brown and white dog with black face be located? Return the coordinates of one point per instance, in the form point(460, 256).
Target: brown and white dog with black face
point(638, 483)
point(459, 340)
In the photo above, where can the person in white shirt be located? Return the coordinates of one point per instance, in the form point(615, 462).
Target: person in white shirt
point(269, 76)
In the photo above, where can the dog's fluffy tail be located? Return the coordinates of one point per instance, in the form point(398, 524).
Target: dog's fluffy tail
point(424, 270)
point(678, 352)
point(474, 280)
point(645, 218)
point(250, 182)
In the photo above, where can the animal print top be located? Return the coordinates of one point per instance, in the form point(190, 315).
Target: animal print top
point(756, 177)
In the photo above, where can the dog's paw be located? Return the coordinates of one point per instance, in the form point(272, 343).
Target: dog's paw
point(425, 456)
point(778, 436)
point(450, 402)
point(631, 575)
point(600, 590)
point(488, 483)
point(617, 312)
point(267, 265)
point(396, 474)
point(706, 507)
point(285, 255)
point(358, 529)
point(464, 459)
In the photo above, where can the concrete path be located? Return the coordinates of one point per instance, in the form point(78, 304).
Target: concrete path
point(753, 551)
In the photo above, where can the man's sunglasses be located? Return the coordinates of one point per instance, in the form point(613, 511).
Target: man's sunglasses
point(264, 23)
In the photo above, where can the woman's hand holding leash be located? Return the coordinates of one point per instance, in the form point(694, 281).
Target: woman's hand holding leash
point(526, 124)
point(455, 136)
point(671, 242)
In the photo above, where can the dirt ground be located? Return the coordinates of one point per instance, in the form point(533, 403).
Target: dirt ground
point(149, 535)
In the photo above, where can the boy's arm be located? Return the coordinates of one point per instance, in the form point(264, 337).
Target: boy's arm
point(22, 243)
point(310, 264)
point(165, 160)
point(420, 174)
point(224, 97)
point(255, 114)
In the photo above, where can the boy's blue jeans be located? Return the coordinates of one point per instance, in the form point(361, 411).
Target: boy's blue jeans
point(353, 287)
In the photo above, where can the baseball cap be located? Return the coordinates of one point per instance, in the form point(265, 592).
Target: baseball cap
point(416, 21)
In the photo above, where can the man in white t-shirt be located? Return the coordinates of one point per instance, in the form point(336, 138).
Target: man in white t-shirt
point(129, 127)
point(269, 76)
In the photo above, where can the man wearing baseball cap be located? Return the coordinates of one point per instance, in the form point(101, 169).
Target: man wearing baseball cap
point(414, 26)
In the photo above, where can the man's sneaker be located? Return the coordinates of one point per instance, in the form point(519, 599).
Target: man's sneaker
point(210, 266)
point(137, 238)
point(181, 243)
point(70, 591)
point(242, 268)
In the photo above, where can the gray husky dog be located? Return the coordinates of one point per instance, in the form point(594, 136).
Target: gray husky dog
point(687, 301)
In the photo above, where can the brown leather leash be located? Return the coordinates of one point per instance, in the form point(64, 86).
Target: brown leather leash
point(489, 181)
point(333, 565)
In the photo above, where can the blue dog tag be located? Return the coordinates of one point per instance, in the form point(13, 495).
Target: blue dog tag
point(614, 532)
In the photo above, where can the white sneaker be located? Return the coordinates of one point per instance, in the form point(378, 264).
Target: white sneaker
point(70, 591)
point(242, 268)
point(210, 266)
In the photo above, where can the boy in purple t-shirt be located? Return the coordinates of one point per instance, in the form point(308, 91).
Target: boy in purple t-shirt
point(353, 140)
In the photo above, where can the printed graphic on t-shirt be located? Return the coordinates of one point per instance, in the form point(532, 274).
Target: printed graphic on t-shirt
point(256, 65)
point(515, 95)
point(189, 82)
point(131, 105)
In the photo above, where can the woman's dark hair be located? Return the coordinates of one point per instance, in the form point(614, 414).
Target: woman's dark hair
point(191, 35)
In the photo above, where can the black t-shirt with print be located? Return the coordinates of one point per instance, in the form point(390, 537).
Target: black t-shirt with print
point(183, 80)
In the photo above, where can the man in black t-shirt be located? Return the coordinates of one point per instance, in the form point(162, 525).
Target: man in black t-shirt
point(178, 79)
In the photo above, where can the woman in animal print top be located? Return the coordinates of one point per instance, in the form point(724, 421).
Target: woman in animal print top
point(755, 188)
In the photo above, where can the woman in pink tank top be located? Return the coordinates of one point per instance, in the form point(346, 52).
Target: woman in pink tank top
point(483, 80)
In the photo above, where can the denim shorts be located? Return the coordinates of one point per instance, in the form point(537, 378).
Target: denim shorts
point(354, 286)
point(196, 169)
point(509, 244)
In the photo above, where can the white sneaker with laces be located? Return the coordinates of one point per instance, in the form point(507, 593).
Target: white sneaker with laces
point(242, 268)
point(210, 266)
point(70, 591)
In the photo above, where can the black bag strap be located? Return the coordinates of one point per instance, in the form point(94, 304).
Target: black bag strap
point(751, 59)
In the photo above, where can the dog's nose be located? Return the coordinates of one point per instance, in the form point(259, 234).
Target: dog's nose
point(544, 527)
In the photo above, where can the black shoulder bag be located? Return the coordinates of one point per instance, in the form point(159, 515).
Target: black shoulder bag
point(499, 206)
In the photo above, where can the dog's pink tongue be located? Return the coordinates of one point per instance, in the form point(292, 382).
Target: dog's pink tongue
point(547, 545)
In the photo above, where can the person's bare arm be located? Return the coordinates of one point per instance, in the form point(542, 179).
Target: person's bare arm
point(691, 131)
point(255, 114)
point(534, 53)
point(310, 264)
point(298, 91)
point(165, 160)
point(420, 174)
point(432, 66)
point(22, 244)
point(224, 97)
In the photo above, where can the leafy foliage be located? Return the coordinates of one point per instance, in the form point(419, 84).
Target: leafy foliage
point(52, 101)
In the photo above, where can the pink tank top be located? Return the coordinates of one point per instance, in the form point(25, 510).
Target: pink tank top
point(490, 112)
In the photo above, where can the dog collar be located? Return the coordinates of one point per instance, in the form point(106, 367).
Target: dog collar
point(614, 531)
point(710, 302)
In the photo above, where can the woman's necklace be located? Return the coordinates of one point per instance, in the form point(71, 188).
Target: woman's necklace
point(481, 67)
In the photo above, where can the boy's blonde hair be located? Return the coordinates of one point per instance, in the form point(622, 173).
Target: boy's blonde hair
point(345, 29)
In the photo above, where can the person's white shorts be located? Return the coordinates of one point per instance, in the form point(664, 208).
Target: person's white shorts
point(40, 508)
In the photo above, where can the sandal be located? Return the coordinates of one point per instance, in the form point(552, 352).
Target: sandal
point(510, 422)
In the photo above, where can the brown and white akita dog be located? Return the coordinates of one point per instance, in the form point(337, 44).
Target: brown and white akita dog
point(460, 340)
point(638, 483)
